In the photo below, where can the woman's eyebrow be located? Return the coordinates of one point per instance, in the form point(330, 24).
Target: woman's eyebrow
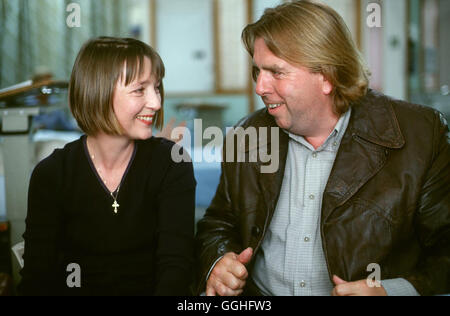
point(140, 83)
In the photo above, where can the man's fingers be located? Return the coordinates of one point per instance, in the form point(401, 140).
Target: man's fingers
point(348, 288)
point(341, 290)
point(223, 290)
point(210, 291)
point(358, 288)
point(228, 276)
point(233, 282)
point(239, 271)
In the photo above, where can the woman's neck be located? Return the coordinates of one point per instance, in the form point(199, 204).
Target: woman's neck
point(110, 152)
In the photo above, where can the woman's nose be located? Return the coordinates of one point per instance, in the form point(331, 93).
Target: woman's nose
point(153, 100)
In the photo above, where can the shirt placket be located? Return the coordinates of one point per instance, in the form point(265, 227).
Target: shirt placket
point(311, 205)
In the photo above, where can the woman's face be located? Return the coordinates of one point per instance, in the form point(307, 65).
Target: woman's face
point(136, 104)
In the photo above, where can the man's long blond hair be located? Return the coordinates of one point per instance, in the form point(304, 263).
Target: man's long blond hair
point(314, 36)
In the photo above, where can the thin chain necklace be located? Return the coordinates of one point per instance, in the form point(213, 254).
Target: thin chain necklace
point(115, 205)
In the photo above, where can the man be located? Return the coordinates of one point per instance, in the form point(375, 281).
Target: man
point(363, 181)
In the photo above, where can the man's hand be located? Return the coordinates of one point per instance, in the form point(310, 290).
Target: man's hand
point(358, 288)
point(229, 274)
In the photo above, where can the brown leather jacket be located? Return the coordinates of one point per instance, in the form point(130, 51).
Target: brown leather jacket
point(387, 199)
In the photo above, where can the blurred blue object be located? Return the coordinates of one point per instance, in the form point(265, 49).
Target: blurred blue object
point(208, 176)
point(2, 197)
point(56, 120)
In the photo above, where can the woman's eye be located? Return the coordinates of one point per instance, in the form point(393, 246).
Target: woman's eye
point(140, 90)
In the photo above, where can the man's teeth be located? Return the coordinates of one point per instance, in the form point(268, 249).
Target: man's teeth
point(273, 106)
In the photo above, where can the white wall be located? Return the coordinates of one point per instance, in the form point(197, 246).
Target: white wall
point(185, 42)
point(260, 5)
point(140, 17)
point(372, 46)
point(395, 48)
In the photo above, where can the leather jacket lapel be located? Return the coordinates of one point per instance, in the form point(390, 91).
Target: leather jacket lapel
point(363, 152)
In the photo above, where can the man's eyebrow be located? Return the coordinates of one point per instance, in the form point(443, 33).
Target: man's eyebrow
point(273, 68)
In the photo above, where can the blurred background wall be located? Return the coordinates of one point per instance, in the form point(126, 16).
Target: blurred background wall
point(405, 43)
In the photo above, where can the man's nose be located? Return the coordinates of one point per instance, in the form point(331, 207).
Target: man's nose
point(262, 84)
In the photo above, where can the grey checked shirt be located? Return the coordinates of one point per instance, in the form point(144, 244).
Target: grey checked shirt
point(291, 260)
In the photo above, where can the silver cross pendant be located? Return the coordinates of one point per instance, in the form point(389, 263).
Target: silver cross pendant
point(115, 205)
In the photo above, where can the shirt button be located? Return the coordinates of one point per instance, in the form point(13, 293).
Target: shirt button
point(306, 239)
point(311, 197)
point(302, 284)
point(334, 144)
point(314, 155)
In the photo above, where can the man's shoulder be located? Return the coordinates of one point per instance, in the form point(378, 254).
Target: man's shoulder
point(403, 109)
point(389, 113)
point(391, 122)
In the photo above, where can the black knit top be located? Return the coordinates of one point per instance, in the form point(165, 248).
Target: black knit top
point(146, 248)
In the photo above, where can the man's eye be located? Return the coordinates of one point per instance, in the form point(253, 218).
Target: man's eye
point(140, 90)
point(255, 73)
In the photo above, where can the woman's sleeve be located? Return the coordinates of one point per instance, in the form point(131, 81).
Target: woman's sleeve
point(175, 247)
point(43, 225)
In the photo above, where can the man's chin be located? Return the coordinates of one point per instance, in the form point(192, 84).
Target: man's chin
point(281, 124)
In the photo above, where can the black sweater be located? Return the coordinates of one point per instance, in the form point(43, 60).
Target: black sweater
point(144, 249)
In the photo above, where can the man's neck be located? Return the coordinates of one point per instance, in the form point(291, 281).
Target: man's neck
point(321, 131)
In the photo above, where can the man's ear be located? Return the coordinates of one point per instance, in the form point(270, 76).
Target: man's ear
point(327, 87)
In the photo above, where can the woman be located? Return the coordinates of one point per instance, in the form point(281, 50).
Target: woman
point(113, 202)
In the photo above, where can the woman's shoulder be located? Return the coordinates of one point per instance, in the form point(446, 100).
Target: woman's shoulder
point(165, 154)
point(160, 146)
point(166, 159)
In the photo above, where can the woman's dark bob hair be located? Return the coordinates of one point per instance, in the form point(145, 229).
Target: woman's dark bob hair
point(99, 65)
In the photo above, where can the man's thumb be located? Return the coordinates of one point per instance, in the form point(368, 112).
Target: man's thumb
point(245, 256)
point(337, 280)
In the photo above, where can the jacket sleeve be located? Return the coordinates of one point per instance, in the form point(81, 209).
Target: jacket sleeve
point(433, 219)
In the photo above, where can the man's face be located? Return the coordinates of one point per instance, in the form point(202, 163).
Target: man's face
point(296, 98)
